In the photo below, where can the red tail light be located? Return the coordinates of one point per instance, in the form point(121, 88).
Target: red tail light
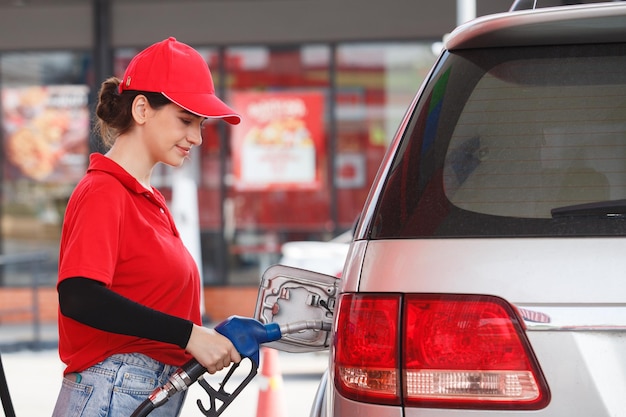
point(367, 354)
point(458, 351)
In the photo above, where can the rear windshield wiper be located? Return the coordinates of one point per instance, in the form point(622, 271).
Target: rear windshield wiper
point(608, 208)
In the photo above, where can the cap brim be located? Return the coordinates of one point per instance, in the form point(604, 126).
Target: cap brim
point(205, 105)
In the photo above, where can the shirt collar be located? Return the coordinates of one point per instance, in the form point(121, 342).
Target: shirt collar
point(99, 162)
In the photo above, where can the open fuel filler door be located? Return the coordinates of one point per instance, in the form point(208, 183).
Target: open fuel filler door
point(296, 297)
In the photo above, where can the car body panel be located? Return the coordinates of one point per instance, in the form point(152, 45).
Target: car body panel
point(513, 269)
point(586, 23)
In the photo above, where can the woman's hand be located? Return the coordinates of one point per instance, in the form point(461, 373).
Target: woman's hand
point(212, 350)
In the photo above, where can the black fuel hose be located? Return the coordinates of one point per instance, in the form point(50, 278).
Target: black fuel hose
point(144, 409)
point(5, 397)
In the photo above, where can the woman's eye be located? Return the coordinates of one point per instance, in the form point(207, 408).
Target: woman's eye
point(186, 121)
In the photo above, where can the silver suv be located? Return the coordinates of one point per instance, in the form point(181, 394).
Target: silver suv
point(487, 275)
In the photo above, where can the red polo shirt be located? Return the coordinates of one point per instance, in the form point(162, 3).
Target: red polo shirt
point(117, 232)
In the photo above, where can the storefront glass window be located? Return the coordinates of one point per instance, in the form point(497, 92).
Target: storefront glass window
point(277, 183)
point(375, 84)
point(45, 131)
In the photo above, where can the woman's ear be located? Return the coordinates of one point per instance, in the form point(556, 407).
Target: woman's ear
point(140, 108)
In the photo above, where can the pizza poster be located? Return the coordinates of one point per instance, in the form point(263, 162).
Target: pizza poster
point(46, 132)
point(279, 142)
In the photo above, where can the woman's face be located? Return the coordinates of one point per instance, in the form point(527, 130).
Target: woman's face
point(171, 132)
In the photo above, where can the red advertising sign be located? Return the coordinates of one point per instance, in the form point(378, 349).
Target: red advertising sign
point(279, 142)
point(46, 131)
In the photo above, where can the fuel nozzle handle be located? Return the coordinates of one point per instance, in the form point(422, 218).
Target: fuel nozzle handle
point(247, 334)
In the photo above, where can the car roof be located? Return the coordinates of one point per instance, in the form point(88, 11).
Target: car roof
point(589, 23)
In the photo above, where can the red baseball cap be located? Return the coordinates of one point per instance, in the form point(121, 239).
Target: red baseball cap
point(179, 72)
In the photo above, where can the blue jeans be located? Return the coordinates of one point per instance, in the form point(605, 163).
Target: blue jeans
point(115, 387)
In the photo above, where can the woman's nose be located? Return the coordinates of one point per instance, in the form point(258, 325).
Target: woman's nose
point(195, 137)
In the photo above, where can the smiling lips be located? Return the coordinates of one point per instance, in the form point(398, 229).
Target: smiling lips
point(185, 150)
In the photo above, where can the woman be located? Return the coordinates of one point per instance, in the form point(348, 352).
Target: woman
point(128, 289)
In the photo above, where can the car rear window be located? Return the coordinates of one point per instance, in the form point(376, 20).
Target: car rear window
point(513, 141)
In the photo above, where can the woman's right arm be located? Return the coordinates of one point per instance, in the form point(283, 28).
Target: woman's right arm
point(90, 302)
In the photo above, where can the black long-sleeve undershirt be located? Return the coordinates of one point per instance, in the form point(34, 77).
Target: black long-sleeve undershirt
point(90, 302)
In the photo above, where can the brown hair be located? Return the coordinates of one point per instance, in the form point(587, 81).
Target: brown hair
point(114, 109)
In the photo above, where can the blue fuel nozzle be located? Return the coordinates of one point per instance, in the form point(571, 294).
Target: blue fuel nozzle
point(247, 334)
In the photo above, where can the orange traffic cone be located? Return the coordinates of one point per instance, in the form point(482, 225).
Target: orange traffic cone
point(271, 402)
